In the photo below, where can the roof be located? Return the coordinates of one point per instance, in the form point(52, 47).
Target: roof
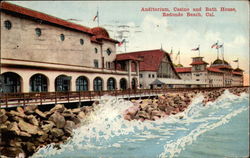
point(183, 69)
point(162, 81)
point(221, 66)
point(99, 32)
point(198, 63)
point(120, 57)
point(150, 59)
point(212, 69)
point(238, 70)
point(237, 73)
point(219, 62)
point(42, 16)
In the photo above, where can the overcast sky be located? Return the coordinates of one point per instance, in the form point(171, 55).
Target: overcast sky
point(150, 30)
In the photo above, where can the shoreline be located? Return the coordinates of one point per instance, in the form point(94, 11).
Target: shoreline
point(25, 130)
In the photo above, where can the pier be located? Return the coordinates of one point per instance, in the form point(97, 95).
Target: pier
point(48, 98)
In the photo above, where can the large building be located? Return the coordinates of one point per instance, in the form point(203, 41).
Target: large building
point(157, 70)
point(41, 53)
point(218, 74)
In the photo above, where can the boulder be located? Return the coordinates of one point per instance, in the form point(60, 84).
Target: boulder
point(67, 113)
point(27, 127)
point(58, 119)
point(56, 132)
point(143, 114)
point(13, 113)
point(12, 151)
point(58, 108)
point(32, 119)
point(30, 109)
point(24, 134)
point(20, 110)
point(3, 118)
point(81, 115)
point(76, 111)
point(156, 113)
point(13, 127)
point(76, 120)
point(40, 113)
point(30, 147)
point(69, 126)
point(47, 127)
point(133, 110)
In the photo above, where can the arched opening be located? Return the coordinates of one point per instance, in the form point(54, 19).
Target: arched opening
point(111, 84)
point(133, 66)
point(123, 84)
point(134, 83)
point(82, 84)
point(38, 83)
point(10, 82)
point(98, 84)
point(62, 83)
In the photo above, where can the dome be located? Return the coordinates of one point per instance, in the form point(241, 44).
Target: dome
point(178, 65)
point(220, 62)
point(99, 31)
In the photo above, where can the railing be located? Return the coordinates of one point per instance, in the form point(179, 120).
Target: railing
point(33, 98)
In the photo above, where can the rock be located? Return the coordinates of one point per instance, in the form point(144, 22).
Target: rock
point(76, 111)
point(20, 110)
point(57, 132)
point(127, 117)
point(15, 143)
point(32, 119)
point(40, 113)
point(143, 114)
point(30, 109)
point(69, 126)
point(58, 119)
point(3, 118)
point(156, 113)
point(133, 110)
point(13, 113)
point(24, 134)
point(12, 151)
point(27, 127)
point(76, 120)
point(3, 128)
point(30, 147)
point(67, 113)
point(58, 107)
point(87, 109)
point(162, 107)
point(47, 127)
point(81, 115)
point(13, 127)
point(43, 138)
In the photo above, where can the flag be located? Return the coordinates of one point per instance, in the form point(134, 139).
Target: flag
point(96, 16)
point(120, 43)
point(196, 49)
point(177, 55)
point(236, 60)
point(219, 46)
point(214, 45)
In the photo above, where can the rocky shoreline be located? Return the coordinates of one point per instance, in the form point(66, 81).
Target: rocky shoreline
point(171, 104)
point(25, 130)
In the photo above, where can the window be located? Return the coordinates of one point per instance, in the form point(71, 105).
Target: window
point(62, 37)
point(111, 84)
point(81, 84)
point(38, 32)
point(98, 84)
point(197, 80)
point(96, 64)
point(81, 41)
point(141, 75)
point(96, 50)
point(108, 51)
point(38, 83)
point(7, 24)
point(153, 76)
point(149, 75)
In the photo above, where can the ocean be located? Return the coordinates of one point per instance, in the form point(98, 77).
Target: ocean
point(217, 130)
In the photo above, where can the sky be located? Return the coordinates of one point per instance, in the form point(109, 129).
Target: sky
point(146, 30)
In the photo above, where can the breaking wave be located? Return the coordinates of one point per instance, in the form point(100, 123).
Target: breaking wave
point(107, 134)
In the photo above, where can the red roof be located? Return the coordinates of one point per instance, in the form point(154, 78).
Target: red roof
point(42, 16)
point(120, 57)
point(212, 69)
point(221, 66)
point(198, 63)
point(238, 70)
point(237, 73)
point(150, 59)
point(183, 69)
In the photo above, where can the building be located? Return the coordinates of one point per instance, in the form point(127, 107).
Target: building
point(157, 70)
point(42, 53)
point(218, 74)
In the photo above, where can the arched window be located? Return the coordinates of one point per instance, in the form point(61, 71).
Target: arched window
point(62, 83)
point(81, 41)
point(38, 32)
point(81, 84)
point(111, 84)
point(96, 50)
point(38, 83)
point(123, 84)
point(11, 82)
point(7, 24)
point(62, 37)
point(98, 84)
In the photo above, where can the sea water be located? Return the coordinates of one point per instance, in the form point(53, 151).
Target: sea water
point(219, 129)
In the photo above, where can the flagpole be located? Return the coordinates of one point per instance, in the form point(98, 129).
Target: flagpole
point(217, 49)
point(238, 63)
point(199, 51)
point(98, 16)
point(179, 57)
